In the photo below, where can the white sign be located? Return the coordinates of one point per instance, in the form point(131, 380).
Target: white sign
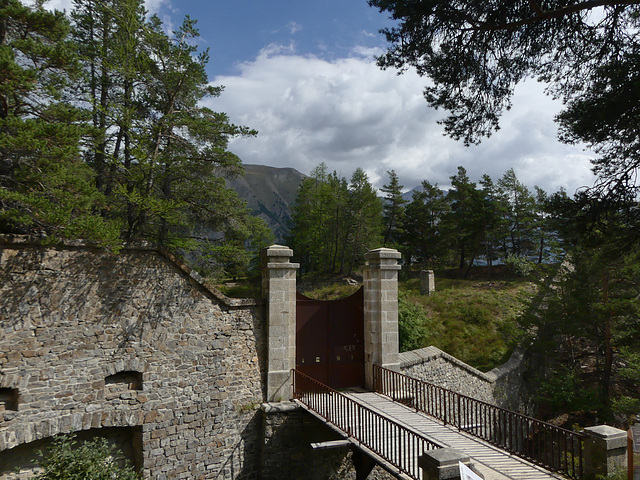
point(467, 474)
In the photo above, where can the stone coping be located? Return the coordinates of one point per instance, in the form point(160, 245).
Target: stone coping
point(423, 355)
point(22, 241)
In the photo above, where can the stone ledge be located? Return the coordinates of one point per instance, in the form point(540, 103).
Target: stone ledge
point(279, 407)
point(422, 355)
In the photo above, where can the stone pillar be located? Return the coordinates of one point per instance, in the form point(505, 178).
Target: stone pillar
point(427, 282)
point(605, 450)
point(380, 311)
point(443, 464)
point(279, 293)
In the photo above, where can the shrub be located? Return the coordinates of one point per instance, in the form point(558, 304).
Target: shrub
point(518, 265)
point(91, 460)
point(412, 324)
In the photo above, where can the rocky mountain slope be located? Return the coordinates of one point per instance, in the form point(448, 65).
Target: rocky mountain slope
point(270, 193)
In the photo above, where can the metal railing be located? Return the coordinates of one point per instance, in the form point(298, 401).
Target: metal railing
point(551, 447)
point(391, 441)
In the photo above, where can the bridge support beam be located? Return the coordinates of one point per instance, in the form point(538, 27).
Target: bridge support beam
point(380, 311)
point(362, 462)
point(279, 293)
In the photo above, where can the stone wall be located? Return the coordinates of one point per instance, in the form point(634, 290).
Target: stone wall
point(289, 432)
point(501, 386)
point(90, 340)
point(136, 348)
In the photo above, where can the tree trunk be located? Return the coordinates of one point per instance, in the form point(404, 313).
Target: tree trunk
point(608, 348)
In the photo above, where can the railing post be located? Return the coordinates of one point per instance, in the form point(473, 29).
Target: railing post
point(293, 383)
point(605, 450)
point(444, 401)
point(442, 464)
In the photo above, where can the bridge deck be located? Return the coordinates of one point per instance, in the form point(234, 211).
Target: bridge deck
point(493, 463)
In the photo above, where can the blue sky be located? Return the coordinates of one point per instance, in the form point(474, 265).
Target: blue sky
point(303, 74)
point(236, 30)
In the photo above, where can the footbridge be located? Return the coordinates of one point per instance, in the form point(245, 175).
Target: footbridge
point(404, 418)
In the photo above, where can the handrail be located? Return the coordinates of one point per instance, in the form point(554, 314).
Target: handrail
point(391, 441)
point(554, 448)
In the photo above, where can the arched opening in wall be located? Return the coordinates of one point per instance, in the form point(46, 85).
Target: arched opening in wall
point(9, 399)
point(22, 461)
point(122, 381)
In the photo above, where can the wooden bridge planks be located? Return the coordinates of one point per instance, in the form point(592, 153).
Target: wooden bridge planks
point(493, 463)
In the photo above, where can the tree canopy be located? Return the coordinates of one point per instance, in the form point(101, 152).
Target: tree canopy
point(476, 52)
point(44, 185)
point(335, 222)
point(103, 134)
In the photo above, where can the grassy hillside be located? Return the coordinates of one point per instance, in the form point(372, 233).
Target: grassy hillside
point(473, 320)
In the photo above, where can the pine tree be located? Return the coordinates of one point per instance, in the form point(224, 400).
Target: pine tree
point(423, 239)
point(494, 211)
point(464, 223)
point(521, 215)
point(161, 157)
point(44, 185)
point(366, 218)
point(393, 208)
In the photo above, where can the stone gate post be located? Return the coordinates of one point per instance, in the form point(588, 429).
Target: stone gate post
point(427, 282)
point(279, 293)
point(380, 311)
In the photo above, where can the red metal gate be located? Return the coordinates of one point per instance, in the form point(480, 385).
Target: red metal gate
point(330, 339)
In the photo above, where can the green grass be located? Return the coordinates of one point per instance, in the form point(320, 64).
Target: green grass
point(473, 320)
point(332, 291)
point(239, 289)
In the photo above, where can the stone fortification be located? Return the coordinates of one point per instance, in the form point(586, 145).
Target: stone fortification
point(137, 348)
point(90, 341)
point(501, 386)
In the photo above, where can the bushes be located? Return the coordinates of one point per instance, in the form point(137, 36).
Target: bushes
point(412, 324)
point(91, 460)
point(519, 266)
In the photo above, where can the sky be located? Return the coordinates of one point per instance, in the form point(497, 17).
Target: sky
point(303, 73)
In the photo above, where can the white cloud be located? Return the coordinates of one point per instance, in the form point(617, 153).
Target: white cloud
point(348, 113)
point(53, 4)
point(153, 6)
point(294, 28)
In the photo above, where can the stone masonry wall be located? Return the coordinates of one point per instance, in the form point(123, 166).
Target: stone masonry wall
point(92, 340)
point(289, 432)
point(501, 386)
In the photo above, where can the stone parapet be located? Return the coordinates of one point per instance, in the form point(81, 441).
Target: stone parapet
point(500, 386)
